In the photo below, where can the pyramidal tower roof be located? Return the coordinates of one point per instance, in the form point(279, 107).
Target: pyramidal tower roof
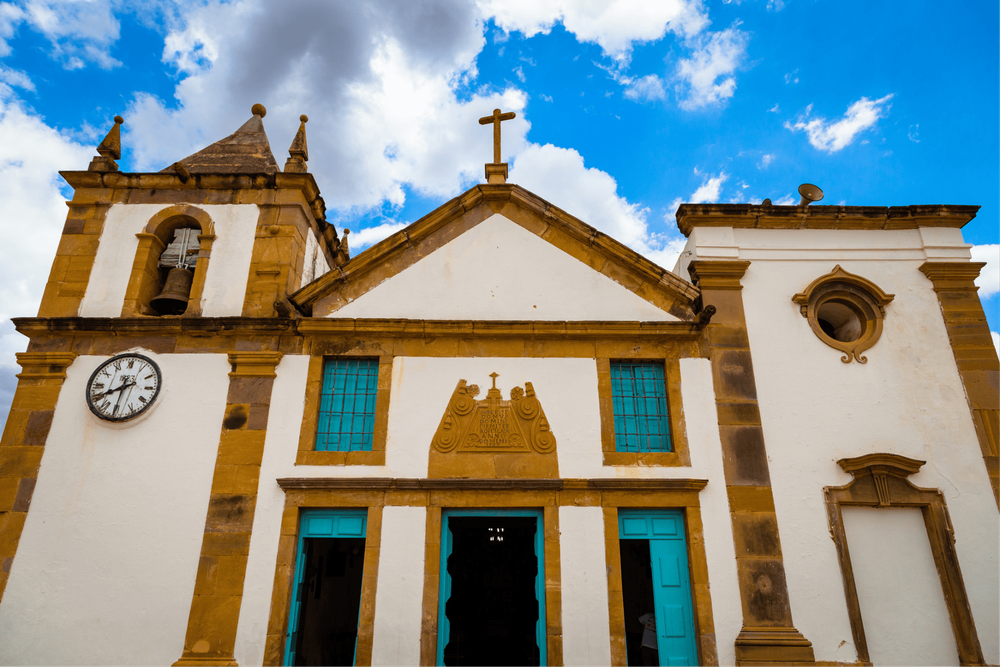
point(245, 151)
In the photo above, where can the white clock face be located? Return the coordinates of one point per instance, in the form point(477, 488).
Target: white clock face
point(123, 387)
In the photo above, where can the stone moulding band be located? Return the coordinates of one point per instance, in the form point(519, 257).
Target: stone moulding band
point(36, 326)
point(44, 364)
point(389, 483)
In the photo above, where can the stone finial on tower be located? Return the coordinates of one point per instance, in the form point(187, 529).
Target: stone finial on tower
point(298, 151)
point(343, 250)
point(109, 150)
point(496, 172)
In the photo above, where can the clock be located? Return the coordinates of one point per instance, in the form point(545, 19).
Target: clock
point(123, 387)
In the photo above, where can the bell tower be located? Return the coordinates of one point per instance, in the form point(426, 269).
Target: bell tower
point(221, 233)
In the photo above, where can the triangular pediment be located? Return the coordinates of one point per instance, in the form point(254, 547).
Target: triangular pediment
point(499, 252)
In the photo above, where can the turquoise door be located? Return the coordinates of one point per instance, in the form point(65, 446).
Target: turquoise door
point(675, 632)
point(447, 546)
point(317, 523)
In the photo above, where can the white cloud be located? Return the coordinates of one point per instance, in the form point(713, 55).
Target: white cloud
point(717, 55)
point(833, 136)
point(765, 160)
point(78, 31)
point(10, 16)
point(791, 77)
point(13, 77)
point(996, 341)
point(914, 133)
point(560, 176)
point(615, 25)
point(787, 200)
point(989, 278)
point(31, 153)
point(710, 190)
point(386, 117)
point(647, 88)
point(774, 109)
point(369, 236)
point(775, 5)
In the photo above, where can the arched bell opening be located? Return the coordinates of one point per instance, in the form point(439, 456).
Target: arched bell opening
point(168, 275)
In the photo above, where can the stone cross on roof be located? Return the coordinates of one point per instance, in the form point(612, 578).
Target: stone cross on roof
point(497, 171)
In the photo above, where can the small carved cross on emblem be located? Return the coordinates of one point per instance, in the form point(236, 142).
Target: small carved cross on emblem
point(494, 376)
point(496, 118)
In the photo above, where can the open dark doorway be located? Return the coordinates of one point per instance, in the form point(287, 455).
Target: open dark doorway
point(330, 598)
point(637, 597)
point(491, 591)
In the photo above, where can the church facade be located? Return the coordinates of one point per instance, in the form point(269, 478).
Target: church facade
point(498, 436)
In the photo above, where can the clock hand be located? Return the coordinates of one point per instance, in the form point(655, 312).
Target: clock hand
point(118, 388)
point(114, 413)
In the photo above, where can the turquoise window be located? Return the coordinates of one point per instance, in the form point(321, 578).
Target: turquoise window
point(639, 397)
point(347, 405)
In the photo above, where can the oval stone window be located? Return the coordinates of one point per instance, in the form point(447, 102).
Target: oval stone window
point(845, 311)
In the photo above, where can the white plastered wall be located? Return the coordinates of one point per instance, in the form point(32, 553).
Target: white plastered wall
point(908, 399)
point(906, 618)
point(314, 262)
point(500, 271)
point(584, 586)
point(420, 391)
point(228, 267)
point(109, 552)
point(400, 588)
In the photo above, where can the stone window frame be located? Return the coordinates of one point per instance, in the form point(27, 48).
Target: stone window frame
point(880, 480)
point(307, 454)
point(144, 283)
point(866, 299)
point(680, 456)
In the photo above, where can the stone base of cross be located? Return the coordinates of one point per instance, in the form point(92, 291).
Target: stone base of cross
point(496, 174)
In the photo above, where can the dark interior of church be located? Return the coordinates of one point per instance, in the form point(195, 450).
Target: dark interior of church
point(492, 609)
point(330, 599)
point(637, 595)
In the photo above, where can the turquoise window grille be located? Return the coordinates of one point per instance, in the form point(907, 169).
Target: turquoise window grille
point(347, 405)
point(639, 397)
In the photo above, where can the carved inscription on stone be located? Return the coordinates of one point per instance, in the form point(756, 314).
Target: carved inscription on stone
point(493, 424)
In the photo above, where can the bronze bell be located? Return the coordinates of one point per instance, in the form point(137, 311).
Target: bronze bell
point(173, 300)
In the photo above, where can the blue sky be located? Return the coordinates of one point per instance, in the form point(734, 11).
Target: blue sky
point(625, 108)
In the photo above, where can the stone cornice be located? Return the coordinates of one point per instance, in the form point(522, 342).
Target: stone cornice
point(892, 464)
point(41, 326)
point(755, 216)
point(948, 276)
point(306, 183)
point(464, 484)
point(44, 365)
point(254, 364)
point(718, 274)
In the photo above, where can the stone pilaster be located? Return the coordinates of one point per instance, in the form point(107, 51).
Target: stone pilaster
point(768, 635)
point(969, 333)
point(23, 442)
point(218, 591)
